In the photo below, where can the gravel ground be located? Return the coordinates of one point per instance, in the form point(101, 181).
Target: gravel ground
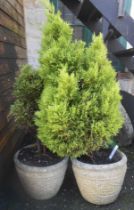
point(14, 198)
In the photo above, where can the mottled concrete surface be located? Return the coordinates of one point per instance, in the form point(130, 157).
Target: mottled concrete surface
point(69, 198)
point(35, 19)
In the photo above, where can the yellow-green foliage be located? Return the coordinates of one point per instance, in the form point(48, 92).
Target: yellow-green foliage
point(58, 49)
point(79, 113)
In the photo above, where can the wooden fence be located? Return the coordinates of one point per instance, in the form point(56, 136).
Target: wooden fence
point(12, 55)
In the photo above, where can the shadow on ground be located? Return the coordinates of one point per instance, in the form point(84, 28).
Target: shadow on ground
point(14, 198)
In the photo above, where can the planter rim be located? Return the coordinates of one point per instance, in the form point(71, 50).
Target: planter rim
point(102, 166)
point(36, 169)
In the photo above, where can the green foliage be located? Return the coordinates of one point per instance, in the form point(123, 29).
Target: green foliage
point(58, 49)
point(55, 30)
point(79, 107)
point(27, 90)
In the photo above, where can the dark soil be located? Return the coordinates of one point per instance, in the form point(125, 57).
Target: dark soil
point(100, 157)
point(30, 156)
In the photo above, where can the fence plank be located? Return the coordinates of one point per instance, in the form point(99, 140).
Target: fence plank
point(11, 11)
point(11, 51)
point(10, 24)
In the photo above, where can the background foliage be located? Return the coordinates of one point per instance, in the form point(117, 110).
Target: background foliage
point(27, 90)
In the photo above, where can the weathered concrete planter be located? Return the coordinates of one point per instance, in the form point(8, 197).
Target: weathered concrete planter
point(41, 182)
point(100, 184)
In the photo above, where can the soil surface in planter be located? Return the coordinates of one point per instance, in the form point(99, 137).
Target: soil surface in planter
point(100, 157)
point(30, 156)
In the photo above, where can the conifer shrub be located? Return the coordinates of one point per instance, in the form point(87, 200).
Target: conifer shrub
point(80, 113)
point(58, 49)
point(27, 90)
point(74, 95)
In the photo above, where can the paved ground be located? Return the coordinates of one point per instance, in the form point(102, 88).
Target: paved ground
point(69, 198)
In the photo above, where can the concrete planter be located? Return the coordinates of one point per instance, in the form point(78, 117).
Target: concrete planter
point(41, 182)
point(100, 184)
